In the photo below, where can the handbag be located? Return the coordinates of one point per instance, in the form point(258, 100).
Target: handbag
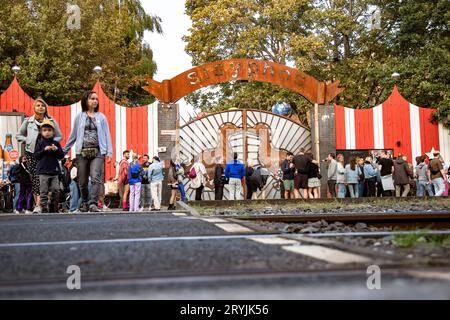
point(224, 180)
point(89, 153)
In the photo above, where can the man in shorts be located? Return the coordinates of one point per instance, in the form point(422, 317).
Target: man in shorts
point(288, 168)
point(301, 177)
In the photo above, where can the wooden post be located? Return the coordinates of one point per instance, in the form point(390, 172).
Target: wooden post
point(316, 131)
point(245, 145)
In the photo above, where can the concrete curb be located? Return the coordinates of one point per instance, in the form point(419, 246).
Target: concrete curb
point(188, 208)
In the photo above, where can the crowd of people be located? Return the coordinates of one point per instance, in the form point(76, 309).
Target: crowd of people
point(386, 177)
point(45, 174)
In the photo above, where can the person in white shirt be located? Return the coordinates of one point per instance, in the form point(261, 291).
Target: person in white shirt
point(199, 177)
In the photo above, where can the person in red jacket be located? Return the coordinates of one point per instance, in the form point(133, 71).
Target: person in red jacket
point(124, 186)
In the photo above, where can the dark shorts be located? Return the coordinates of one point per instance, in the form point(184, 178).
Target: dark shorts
point(301, 181)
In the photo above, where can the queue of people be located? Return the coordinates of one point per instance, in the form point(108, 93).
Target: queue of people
point(386, 177)
point(45, 172)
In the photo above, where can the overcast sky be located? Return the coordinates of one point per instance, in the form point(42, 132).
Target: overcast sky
point(168, 48)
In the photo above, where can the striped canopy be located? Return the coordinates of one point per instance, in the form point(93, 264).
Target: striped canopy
point(131, 128)
point(395, 124)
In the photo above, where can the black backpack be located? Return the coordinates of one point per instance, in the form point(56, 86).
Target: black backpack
point(361, 175)
point(65, 179)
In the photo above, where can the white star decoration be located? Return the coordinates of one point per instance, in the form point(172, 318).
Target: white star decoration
point(430, 154)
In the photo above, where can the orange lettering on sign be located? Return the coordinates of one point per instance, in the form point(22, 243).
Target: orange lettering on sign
point(170, 91)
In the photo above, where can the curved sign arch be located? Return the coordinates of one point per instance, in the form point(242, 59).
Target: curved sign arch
point(170, 91)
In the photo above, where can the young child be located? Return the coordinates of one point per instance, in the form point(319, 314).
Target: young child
point(47, 153)
point(135, 179)
point(26, 185)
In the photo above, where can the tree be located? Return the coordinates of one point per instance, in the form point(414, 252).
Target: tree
point(329, 39)
point(274, 30)
point(57, 61)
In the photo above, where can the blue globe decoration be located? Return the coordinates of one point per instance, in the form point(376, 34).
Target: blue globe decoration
point(281, 108)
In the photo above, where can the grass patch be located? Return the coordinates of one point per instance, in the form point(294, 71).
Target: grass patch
point(421, 238)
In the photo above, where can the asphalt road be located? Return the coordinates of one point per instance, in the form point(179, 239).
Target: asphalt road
point(166, 256)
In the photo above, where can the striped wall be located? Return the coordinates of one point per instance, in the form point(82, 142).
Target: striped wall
point(131, 128)
point(395, 124)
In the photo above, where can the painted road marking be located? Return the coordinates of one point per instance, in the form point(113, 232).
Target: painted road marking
point(327, 254)
point(179, 214)
point(430, 275)
point(233, 227)
point(274, 240)
point(136, 240)
point(214, 220)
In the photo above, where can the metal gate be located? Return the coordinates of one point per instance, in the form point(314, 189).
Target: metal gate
point(259, 137)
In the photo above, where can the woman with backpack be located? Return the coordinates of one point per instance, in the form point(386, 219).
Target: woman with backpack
point(135, 179)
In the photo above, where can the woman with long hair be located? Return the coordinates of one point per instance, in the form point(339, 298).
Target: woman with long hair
point(352, 173)
point(173, 185)
point(340, 181)
point(92, 139)
point(29, 134)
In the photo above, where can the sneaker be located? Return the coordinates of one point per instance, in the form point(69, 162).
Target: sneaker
point(37, 209)
point(84, 207)
point(93, 208)
point(28, 212)
point(17, 211)
point(105, 208)
point(141, 209)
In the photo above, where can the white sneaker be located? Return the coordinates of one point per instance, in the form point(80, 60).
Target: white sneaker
point(28, 212)
point(141, 209)
point(37, 209)
point(16, 211)
point(105, 208)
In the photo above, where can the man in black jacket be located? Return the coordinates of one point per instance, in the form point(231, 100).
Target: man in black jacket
point(288, 168)
point(47, 153)
point(301, 177)
point(219, 179)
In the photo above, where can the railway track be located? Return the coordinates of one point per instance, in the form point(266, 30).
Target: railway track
point(430, 220)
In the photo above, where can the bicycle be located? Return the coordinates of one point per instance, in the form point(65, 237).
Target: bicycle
point(6, 196)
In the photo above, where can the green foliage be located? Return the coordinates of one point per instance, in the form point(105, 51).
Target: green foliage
point(421, 238)
point(57, 61)
point(329, 39)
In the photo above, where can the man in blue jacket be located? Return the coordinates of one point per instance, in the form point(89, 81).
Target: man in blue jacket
point(235, 172)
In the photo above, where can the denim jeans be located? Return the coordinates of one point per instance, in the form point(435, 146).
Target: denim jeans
point(439, 186)
point(182, 191)
point(74, 197)
point(361, 188)
point(16, 194)
point(92, 168)
point(146, 195)
point(422, 186)
point(353, 188)
point(342, 190)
